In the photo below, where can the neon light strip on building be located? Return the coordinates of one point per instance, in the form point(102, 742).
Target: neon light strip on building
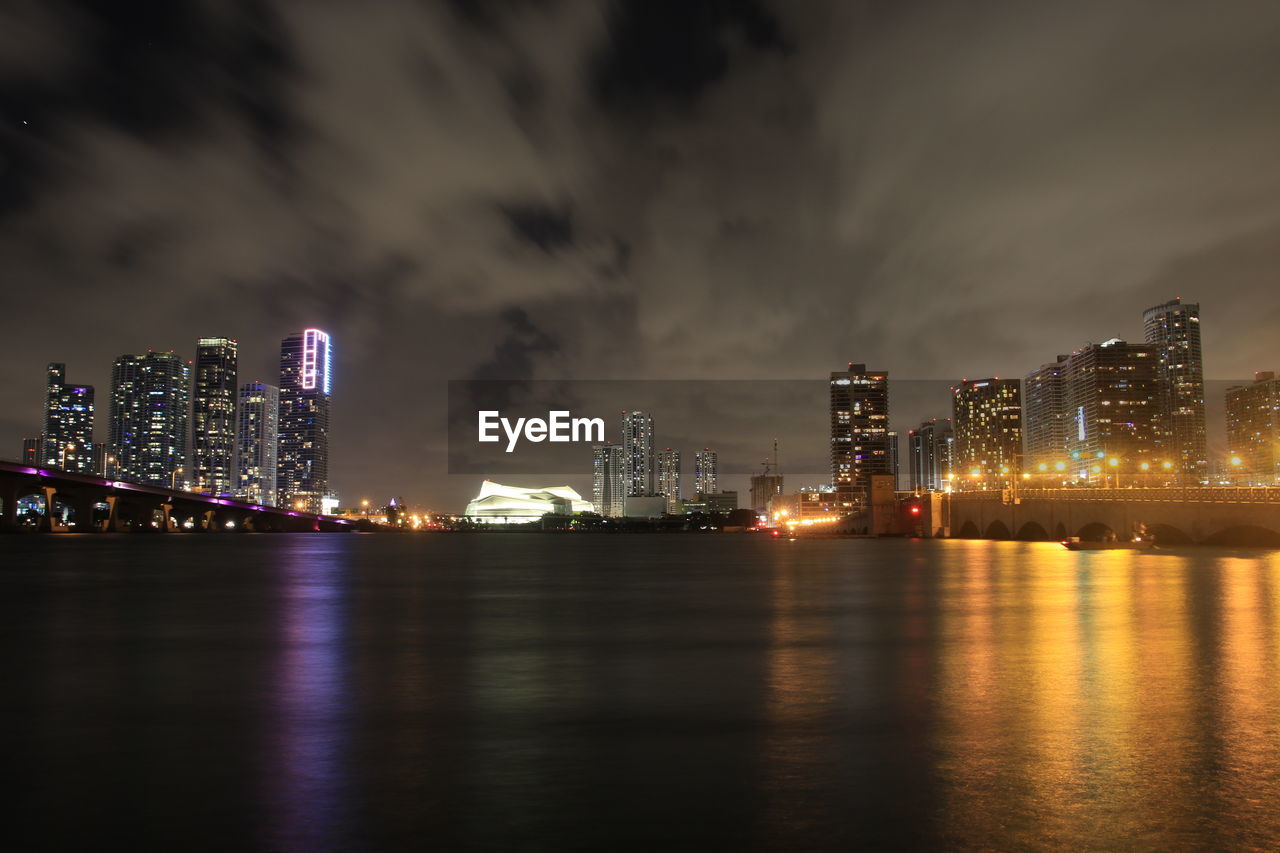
point(315, 360)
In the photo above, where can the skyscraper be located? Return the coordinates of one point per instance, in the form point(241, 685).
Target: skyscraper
point(1253, 430)
point(1045, 423)
point(893, 459)
point(609, 479)
point(68, 423)
point(1111, 409)
point(929, 457)
point(302, 464)
point(669, 478)
point(257, 438)
point(859, 432)
point(987, 418)
point(637, 444)
point(30, 451)
point(213, 417)
point(1173, 329)
point(150, 401)
point(706, 465)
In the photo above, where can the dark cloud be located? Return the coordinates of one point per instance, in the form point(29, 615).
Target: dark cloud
point(565, 190)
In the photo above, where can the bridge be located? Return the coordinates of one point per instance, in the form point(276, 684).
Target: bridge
point(1213, 515)
point(96, 505)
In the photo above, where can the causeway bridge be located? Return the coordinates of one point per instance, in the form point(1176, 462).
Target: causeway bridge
point(1212, 515)
point(97, 505)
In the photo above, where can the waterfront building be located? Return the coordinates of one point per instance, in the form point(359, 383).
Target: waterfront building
point(764, 488)
point(609, 479)
point(1111, 408)
point(68, 422)
point(257, 442)
point(150, 402)
point(1253, 432)
point(930, 449)
point(31, 451)
point(1045, 424)
point(893, 460)
point(721, 502)
point(706, 471)
point(806, 505)
point(499, 504)
point(213, 416)
point(669, 478)
point(987, 418)
point(1173, 330)
point(306, 384)
point(637, 445)
point(859, 432)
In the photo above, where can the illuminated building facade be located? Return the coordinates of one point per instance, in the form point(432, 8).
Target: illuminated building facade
point(669, 478)
point(609, 479)
point(213, 416)
point(1045, 423)
point(764, 488)
point(499, 504)
point(930, 451)
point(302, 458)
point(1173, 330)
point(1111, 408)
point(859, 432)
point(637, 445)
point(987, 418)
point(150, 402)
point(257, 438)
point(68, 423)
point(1253, 431)
point(706, 471)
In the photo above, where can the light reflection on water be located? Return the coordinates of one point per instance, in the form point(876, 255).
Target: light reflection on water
point(363, 692)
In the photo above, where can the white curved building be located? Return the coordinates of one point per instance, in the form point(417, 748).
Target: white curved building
point(499, 504)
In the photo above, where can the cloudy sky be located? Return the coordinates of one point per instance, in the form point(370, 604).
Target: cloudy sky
point(655, 190)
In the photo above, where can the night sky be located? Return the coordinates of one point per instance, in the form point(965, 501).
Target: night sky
point(656, 190)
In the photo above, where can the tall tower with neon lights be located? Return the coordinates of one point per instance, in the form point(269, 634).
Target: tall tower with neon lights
point(302, 465)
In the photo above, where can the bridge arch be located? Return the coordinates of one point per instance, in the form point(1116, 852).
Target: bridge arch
point(1167, 534)
point(1032, 531)
point(1060, 532)
point(969, 531)
point(997, 530)
point(1095, 531)
point(1246, 535)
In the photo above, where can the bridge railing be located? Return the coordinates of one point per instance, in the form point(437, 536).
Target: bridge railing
point(1180, 494)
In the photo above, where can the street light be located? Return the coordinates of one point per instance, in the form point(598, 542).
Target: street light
point(173, 478)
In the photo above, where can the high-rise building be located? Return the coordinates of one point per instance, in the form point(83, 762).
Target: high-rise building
point(767, 485)
point(929, 458)
point(987, 418)
point(1111, 407)
point(637, 444)
point(100, 456)
point(609, 479)
point(669, 478)
point(859, 432)
point(30, 451)
point(257, 443)
point(302, 463)
point(1173, 329)
point(150, 402)
point(213, 417)
point(1045, 424)
point(1253, 431)
point(894, 459)
point(706, 471)
point(68, 423)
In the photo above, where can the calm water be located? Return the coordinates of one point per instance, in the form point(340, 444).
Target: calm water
point(510, 691)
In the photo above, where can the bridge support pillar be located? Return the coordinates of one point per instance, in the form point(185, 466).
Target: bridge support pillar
point(51, 524)
point(8, 508)
point(168, 526)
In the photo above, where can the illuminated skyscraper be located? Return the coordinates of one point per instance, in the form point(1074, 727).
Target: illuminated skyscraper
point(669, 478)
point(257, 439)
point(68, 423)
point(150, 401)
point(213, 417)
point(1173, 329)
point(929, 455)
point(1253, 431)
point(609, 479)
point(1111, 409)
point(706, 472)
point(1045, 423)
point(859, 432)
point(302, 464)
point(637, 444)
point(987, 418)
